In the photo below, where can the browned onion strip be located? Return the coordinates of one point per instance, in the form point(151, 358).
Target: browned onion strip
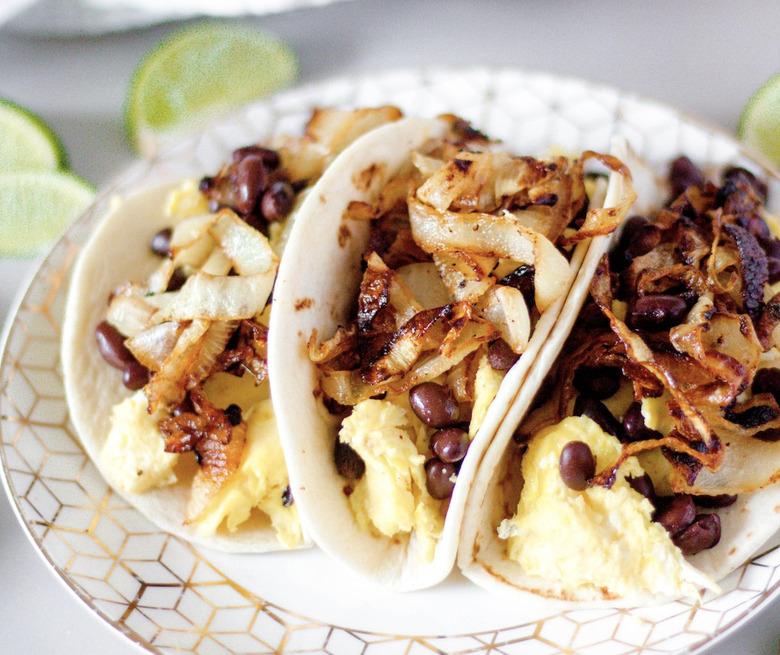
point(491, 235)
point(191, 360)
point(218, 461)
point(690, 421)
point(606, 477)
point(605, 220)
point(466, 276)
point(219, 298)
point(753, 266)
point(153, 346)
point(348, 387)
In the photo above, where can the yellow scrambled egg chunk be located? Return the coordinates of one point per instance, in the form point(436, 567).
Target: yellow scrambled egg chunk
point(134, 452)
point(486, 384)
point(136, 460)
point(259, 482)
point(391, 497)
point(598, 538)
point(187, 201)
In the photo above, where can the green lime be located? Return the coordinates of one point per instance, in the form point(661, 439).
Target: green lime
point(36, 206)
point(199, 73)
point(26, 142)
point(759, 125)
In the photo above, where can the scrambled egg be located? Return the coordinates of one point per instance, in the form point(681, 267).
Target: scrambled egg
point(486, 385)
point(133, 452)
point(598, 538)
point(259, 482)
point(136, 461)
point(186, 201)
point(391, 497)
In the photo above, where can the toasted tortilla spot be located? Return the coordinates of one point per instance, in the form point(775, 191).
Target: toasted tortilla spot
point(303, 303)
point(344, 236)
point(363, 180)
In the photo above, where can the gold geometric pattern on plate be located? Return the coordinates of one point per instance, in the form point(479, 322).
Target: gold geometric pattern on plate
point(166, 594)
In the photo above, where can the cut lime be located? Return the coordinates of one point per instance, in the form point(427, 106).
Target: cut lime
point(199, 73)
point(759, 125)
point(26, 142)
point(35, 206)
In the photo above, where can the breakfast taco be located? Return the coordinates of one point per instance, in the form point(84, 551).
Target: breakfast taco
point(647, 467)
point(412, 300)
point(165, 336)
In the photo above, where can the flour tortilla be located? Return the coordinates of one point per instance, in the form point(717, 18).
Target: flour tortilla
point(746, 526)
point(118, 251)
point(316, 289)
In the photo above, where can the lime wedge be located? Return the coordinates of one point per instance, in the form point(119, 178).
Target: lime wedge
point(759, 125)
point(36, 206)
point(26, 142)
point(199, 73)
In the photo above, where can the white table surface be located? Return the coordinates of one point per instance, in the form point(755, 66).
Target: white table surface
point(704, 57)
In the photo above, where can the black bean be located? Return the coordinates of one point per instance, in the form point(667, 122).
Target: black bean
point(177, 280)
point(701, 534)
point(439, 478)
point(773, 267)
point(598, 382)
point(277, 201)
point(597, 411)
point(771, 247)
point(500, 356)
point(684, 173)
point(349, 464)
point(522, 279)
point(657, 312)
point(233, 413)
point(620, 257)
point(576, 465)
point(135, 375)
point(676, 513)
point(639, 237)
point(755, 225)
point(645, 238)
point(450, 444)
point(643, 485)
point(111, 345)
point(634, 426)
point(434, 405)
point(287, 496)
point(161, 242)
point(715, 502)
point(251, 179)
point(738, 175)
point(269, 157)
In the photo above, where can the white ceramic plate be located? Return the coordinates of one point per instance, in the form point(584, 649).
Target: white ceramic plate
point(68, 18)
point(168, 595)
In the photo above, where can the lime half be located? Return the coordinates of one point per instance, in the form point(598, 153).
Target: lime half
point(26, 142)
point(759, 125)
point(199, 73)
point(35, 206)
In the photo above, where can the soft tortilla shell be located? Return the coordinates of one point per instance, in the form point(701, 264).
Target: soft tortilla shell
point(316, 289)
point(118, 251)
point(746, 525)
